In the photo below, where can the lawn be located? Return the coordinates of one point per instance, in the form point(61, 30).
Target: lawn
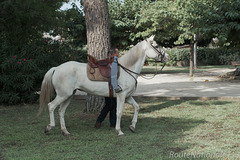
point(165, 130)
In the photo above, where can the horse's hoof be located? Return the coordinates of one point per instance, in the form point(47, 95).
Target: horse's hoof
point(67, 134)
point(121, 135)
point(132, 129)
point(47, 129)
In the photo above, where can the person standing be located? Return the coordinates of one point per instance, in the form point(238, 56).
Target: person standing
point(109, 107)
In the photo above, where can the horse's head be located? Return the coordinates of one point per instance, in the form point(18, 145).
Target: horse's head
point(155, 51)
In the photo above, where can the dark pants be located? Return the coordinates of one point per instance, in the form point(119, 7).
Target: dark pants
point(110, 106)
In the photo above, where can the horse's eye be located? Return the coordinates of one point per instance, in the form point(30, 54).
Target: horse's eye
point(154, 44)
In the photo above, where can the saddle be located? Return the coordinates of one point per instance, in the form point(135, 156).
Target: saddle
point(100, 70)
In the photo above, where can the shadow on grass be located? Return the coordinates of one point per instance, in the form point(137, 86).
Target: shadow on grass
point(153, 107)
point(164, 133)
point(22, 136)
point(154, 138)
point(202, 103)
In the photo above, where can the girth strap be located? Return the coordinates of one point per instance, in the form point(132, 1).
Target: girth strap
point(110, 89)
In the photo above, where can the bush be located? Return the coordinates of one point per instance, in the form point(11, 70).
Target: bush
point(17, 78)
point(218, 56)
point(230, 55)
point(25, 56)
point(22, 72)
point(205, 56)
point(208, 56)
point(178, 55)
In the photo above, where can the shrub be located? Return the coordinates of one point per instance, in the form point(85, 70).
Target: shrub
point(205, 56)
point(22, 73)
point(229, 55)
point(178, 55)
point(218, 56)
point(208, 56)
point(17, 78)
point(25, 55)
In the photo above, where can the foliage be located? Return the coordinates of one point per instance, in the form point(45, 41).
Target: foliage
point(178, 21)
point(163, 127)
point(218, 56)
point(173, 21)
point(22, 20)
point(74, 23)
point(17, 80)
point(25, 55)
point(177, 55)
point(124, 16)
point(205, 56)
point(21, 76)
point(217, 18)
point(159, 18)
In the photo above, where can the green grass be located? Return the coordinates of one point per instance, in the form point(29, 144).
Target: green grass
point(165, 130)
point(174, 69)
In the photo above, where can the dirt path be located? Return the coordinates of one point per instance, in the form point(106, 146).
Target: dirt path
point(204, 85)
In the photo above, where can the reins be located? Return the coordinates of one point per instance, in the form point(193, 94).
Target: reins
point(130, 72)
point(164, 63)
point(139, 74)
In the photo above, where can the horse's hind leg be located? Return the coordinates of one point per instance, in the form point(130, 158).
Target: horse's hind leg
point(62, 110)
point(131, 101)
point(51, 107)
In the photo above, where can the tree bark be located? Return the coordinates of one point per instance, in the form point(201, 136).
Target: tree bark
point(98, 40)
point(94, 103)
point(191, 60)
point(97, 24)
point(195, 52)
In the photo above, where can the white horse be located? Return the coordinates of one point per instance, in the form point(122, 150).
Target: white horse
point(71, 76)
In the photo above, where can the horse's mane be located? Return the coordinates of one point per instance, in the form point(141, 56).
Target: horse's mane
point(131, 56)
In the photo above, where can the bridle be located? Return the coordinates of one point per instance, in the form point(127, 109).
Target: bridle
point(162, 54)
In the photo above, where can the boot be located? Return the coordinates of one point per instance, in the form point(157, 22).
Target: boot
point(97, 125)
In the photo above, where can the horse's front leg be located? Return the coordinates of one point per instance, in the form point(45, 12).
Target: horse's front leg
point(132, 102)
point(120, 103)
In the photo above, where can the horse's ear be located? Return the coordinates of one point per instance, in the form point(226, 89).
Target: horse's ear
point(150, 39)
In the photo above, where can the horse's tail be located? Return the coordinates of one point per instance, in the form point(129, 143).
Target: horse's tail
point(47, 90)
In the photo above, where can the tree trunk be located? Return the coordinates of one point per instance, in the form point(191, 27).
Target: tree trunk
point(191, 60)
point(195, 52)
point(98, 39)
point(94, 103)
